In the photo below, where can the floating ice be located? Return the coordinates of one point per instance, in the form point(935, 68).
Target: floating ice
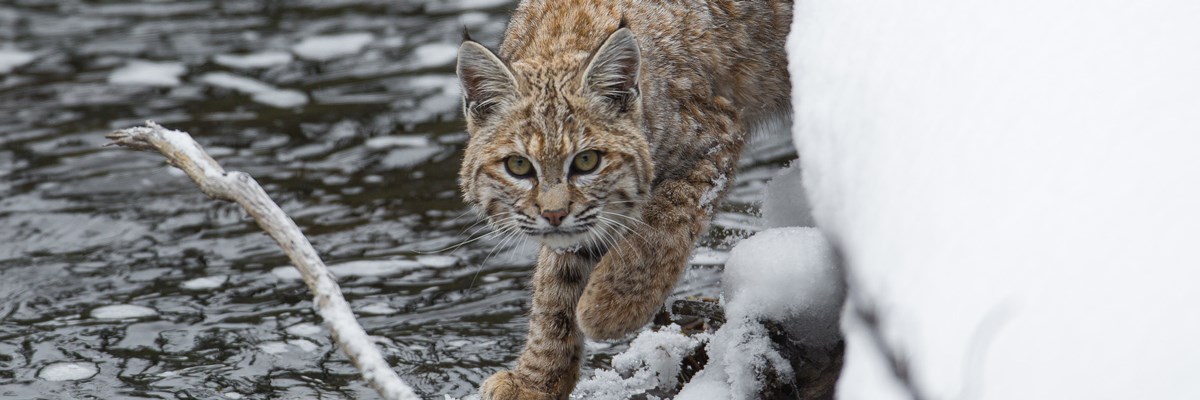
point(254, 60)
point(328, 47)
point(355, 269)
point(11, 58)
point(68, 371)
point(435, 54)
point(434, 261)
point(409, 157)
point(273, 347)
point(378, 309)
point(205, 283)
point(381, 142)
point(122, 311)
point(304, 329)
point(259, 91)
point(148, 73)
point(304, 345)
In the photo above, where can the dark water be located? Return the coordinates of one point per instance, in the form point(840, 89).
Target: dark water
point(360, 146)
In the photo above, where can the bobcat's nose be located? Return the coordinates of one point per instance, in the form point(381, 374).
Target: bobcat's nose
point(555, 217)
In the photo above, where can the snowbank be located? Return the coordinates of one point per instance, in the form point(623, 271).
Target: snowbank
point(1013, 186)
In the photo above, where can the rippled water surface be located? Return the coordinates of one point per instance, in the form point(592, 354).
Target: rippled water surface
point(119, 279)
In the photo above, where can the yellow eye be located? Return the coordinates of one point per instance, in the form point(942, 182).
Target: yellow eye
point(586, 161)
point(518, 166)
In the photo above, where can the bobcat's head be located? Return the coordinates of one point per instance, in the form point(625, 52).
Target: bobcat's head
point(557, 149)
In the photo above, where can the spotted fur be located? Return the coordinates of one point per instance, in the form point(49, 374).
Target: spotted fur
point(665, 92)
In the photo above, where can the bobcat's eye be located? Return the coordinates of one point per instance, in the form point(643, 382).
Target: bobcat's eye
point(585, 162)
point(518, 166)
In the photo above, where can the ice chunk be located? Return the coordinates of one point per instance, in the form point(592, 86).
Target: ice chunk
point(438, 261)
point(328, 47)
point(254, 60)
point(381, 142)
point(259, 91)
point(11, 58)
point(68, 371)
point(435, 54)
point(355, 269)
point(123, 311)
point(148, 73)
point(205, 283)
point(304, 329)
point(378, 309)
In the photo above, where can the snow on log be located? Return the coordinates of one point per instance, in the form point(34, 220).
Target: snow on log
point(184, 153)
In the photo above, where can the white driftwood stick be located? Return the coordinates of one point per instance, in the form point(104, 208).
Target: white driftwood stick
point(183, 152)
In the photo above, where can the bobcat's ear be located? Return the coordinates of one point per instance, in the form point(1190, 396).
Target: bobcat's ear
point(611, 76)
point(486, 81)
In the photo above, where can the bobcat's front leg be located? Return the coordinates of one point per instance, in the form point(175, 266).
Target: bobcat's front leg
point(635, 276)
point(549, 366)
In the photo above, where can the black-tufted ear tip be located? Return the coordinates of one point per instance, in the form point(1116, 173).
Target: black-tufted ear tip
point(466, 36)
point(624, 22)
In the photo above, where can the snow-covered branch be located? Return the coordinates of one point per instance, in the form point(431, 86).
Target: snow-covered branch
point(183, 152)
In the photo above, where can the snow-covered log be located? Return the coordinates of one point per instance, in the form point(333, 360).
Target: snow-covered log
point(184, 153)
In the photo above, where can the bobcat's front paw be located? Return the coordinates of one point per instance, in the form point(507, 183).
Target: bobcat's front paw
point(604, 314)
point(507, 385)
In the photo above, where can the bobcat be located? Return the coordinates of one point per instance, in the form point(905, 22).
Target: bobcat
point(607, 129)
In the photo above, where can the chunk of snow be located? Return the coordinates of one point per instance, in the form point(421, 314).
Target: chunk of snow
point(122, 311)
point(652, 361)
point(328, 47)
point(205, 283)
point(737, 355)
point(148, 73)
point(254, 60)
point(11, 59)
point(1013, 188)
point(68, 371)
point(787, 275)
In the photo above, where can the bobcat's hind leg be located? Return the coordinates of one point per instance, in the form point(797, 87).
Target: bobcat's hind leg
point(636, 275)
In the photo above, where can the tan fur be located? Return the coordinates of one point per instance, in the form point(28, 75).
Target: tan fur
point(667, 101)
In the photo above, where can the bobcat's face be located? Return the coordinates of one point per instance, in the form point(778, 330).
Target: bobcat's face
point(556, 149)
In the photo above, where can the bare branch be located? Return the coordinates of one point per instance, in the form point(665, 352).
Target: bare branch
point(183, 152)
